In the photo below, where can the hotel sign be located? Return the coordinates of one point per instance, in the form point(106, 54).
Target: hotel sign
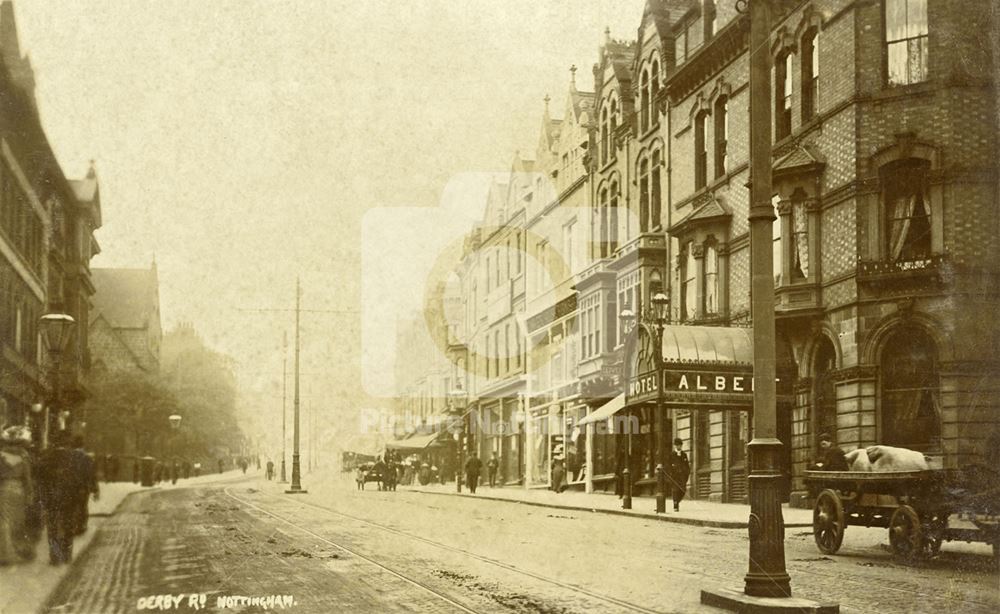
point(731, 387)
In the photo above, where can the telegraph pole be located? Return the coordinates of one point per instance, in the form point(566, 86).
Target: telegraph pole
point(296, 469)
point(284, 386)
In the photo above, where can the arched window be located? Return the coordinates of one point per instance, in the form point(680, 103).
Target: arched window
point(613, 218)
point(721, 115)
point(690, 276)
point(777, 252)
point(604, 226)
point(700, 153)
point(810, 73)
point(644, 101)
point(644, 196)
point(824, 391)
point(604, 136)
point(654, 191)
point(910, 388)
point(907, 210)
point(614, 121)
point(654, 91)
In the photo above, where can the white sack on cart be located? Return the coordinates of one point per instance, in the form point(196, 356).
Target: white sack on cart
point(888, 458)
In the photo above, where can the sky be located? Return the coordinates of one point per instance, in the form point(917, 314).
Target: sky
point(245, 143)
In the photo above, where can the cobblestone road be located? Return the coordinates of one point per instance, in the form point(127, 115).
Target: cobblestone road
point(337, 549)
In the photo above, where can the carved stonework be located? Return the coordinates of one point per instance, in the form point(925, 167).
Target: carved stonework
point(812, 204)
point(855, 373)
point(698, 250)
point(784, 207)
point(803, 385)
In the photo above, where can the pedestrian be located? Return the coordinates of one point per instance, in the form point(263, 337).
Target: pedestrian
point(678, 472)
point(472, 468)
point(84, 466)
point(359, 477)
point(831, 457)
point(491, 469)
point(220, 465)
point(16, 496)
point(270, 470)
point(558, 474)
point(59, 480)
point(243, 465)
point(174, 470)
point(379, 470)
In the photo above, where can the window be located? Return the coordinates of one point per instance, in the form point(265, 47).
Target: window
point(825, 402)
point(569, 246)
point(690, 286)
point(711, 18)
point(800, 241)
point(613, 219)
point(486, 356)
point(910, 405)
point(654, 90)
point(721, 135)
point(644, 196)
point(496, 353)
point(810, 74)
point(654, 191)
point(541, 261)
point(711, 280)
point(687, 40)
point(517, 347)
point(613, 119)
point(776, 242)
point(506, 348)
point(644, 102)
point(783, 96)
point(906, 41)
point(907, 211)
point(603, 214)
point(18, 328)
point(700, 155)
point(604, 136)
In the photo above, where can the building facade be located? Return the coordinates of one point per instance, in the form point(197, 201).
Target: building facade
point(885, 194)
point(125, 328)
point(46, 242)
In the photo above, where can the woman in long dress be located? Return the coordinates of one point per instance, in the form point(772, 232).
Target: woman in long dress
point(15, 494)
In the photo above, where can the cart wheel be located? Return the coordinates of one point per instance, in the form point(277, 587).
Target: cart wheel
point(905, 535)
point(828, 522)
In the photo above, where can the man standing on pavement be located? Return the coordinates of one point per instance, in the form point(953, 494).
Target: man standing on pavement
point(678, 472)
point(491, 469)
point(59, 480)
point(86, 469)
point(472, 468)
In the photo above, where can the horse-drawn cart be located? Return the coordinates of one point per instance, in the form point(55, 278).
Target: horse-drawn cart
point(921, 509)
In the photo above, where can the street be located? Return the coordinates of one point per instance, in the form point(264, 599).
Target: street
point(338, 549)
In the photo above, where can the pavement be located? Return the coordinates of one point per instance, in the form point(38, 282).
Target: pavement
point(24, 588)
point(696, 513)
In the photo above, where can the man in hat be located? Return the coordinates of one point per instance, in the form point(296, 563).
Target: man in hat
point(59, 482)
point(678, 472)
point(831, 457)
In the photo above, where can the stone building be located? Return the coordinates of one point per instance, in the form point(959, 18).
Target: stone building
point(125, 329)
point(885, 194)
point(46, 242)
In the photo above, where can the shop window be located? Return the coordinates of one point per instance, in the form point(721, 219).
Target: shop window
point(910, 389)
point(783, 96)
point(810, 73)
point(721, 116)
point(907, 211)
point(711, 280)
point(700, 154)
point(906, 41)
point(824, 391)
point(654, 191)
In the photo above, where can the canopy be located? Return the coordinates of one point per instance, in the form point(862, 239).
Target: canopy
point(605, 411)
point(419, 442)
point(707, 344)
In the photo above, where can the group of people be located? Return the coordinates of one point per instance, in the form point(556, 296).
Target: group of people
point(51, 487)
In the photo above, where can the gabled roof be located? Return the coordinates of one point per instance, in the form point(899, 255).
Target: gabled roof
point(801, 158)
point(711, 211)
point(127, 298)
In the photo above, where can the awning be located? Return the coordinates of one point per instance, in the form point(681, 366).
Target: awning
point(605, 411)
point(419, 442)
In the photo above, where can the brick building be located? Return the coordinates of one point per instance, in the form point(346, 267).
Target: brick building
point(46, 242)
point(885, 116)
point(125, 329)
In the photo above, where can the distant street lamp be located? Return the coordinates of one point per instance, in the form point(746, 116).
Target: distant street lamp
point(175, 425)
point(458, 398)
point(57, 330)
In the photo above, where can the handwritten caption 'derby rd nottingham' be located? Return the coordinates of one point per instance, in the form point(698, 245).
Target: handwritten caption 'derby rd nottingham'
point(200, 601)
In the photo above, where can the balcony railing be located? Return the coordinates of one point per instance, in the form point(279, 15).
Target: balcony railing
point(929, 267)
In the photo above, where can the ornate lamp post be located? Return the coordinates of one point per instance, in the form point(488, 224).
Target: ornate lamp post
point(659, 321)
point(458, 401)
point(627, 317)
point(57, 330)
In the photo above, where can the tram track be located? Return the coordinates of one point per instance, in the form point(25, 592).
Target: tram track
point(620, 603)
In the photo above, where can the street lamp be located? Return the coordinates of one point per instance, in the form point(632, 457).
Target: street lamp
point(175, 425)
point(659, 317)
point(457, 397)
point(627, 318)
point(57, 330)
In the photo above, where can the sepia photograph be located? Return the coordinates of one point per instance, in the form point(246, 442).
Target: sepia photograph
point(520, 307)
